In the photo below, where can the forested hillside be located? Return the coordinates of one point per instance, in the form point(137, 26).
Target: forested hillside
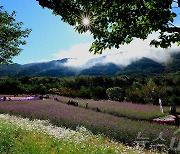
point(58, 68)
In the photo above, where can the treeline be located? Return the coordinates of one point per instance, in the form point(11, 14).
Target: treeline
point(121, 88)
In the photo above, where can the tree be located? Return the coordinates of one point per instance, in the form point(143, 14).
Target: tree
point(116, 22)
point(115, 93)
point(11, 36)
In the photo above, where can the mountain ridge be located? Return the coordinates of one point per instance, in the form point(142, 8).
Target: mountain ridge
point(58, 68)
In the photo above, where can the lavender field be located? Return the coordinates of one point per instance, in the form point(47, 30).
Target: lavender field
point(121, 129)
point(121, 109)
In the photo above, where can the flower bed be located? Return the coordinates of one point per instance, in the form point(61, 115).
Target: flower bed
point(9, 98)
point(167, 119)
point(121, 129)
point(121, 109)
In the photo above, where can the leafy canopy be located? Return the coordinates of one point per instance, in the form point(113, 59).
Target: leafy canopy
point(116, 22)
point(11, 36)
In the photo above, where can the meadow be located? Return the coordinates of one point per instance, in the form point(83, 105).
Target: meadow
point(117, 128)
point(121, 109)
point(19, 135)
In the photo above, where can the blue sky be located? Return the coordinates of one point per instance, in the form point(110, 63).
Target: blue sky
point(53, 39)
point(49, 34)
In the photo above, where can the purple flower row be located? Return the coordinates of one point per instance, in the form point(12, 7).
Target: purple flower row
point(19, 98)
point(121, 109)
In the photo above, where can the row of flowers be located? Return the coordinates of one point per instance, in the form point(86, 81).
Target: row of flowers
point(18, 98)
point(166, 119)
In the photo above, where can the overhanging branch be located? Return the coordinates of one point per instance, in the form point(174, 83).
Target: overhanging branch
point(172, 29)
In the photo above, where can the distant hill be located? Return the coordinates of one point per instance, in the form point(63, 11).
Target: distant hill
point(94, 61)
point(58, 68)
point(144, 66)
point(10, 70)
point(52, 68)
point(101, 69)
point(174, 63)
point(58, 72)
point(55, 68)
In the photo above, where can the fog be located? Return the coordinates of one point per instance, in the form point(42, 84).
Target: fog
point(125, 55)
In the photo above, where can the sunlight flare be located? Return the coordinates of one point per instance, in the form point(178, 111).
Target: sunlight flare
point(86, 21)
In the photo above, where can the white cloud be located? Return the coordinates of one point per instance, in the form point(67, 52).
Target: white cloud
point(86, 33)
point(80, 54)
point(138, 49)
point(39, 61)
point(122, 56)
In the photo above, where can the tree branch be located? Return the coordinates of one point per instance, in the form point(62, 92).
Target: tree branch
point(172, 29)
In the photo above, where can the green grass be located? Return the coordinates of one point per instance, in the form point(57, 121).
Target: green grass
point(20, 137)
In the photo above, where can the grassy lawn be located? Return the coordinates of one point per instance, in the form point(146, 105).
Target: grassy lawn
point(19, 136)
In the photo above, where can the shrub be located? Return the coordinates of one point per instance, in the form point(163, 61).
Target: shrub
point(99, 93)
point(173, 100)
point(135, 96)
point(84, 92)
point(67, 92)
point(115, 93)
point(53, 91)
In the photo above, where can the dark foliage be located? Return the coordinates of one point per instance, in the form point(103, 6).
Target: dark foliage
point(114, 23)
point(11, 36)
point(128, 88)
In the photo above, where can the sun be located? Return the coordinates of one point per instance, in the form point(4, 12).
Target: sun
point(85, 21)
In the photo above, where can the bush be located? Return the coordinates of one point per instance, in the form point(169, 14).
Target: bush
point(67, 92)
point(99, 93)
point(53, 91)
point(115, 93)
point(173, 100)
point(135, 96)
point(84, 92)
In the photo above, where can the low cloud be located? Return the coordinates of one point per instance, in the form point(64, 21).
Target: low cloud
point(126, 54)
point(79, 55)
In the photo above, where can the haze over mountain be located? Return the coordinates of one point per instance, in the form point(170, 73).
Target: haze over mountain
point(96, 66)
point(125, 55)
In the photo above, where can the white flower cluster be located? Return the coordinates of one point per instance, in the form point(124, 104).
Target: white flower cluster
point(81, 136)
point(46, 127)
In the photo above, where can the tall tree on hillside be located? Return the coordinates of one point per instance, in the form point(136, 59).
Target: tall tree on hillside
point(116, 22)
point(11, 36)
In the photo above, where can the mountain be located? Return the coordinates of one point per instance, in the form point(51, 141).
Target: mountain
point(144, 66)
point(94, 67)
point(58, 72)
point(42, 69)
point(101, 69)
point(94, 61)
point(174, 63)
point(9, 70)
point(52, 68)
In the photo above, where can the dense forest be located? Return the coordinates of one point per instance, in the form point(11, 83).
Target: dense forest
point(136, 89)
